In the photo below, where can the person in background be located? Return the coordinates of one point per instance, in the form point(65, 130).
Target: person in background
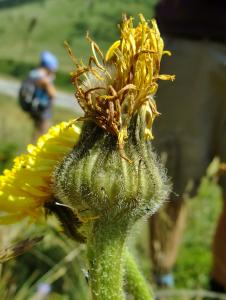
point(43, 76)
point(37, 93)
point(192, 129)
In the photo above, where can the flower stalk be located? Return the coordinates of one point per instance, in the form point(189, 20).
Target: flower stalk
point(135, 281)
point(105, 255)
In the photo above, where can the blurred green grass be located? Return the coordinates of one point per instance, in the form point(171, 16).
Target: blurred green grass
point(194, 261)
point(16, 126)
point(48, 262)
point(29, 27)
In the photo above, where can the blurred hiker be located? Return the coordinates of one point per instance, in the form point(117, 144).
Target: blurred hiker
point(37, 93)
point(193, 129)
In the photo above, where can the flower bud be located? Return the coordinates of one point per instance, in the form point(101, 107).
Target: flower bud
point(96, 178)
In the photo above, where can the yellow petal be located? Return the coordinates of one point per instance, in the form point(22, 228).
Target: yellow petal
point(111, 50)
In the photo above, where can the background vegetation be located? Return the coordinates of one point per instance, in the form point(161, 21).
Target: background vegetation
point(26, 28)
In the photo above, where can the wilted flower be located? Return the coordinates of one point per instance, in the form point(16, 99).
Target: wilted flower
point(117, 85)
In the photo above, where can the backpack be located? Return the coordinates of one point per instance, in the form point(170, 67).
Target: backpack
point(29, 98)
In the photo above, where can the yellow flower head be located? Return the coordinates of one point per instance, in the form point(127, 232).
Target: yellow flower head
point(26, 188)
point(115, 86)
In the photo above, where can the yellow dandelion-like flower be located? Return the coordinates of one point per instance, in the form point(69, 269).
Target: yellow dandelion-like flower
point(115, 86)
point(26, 188)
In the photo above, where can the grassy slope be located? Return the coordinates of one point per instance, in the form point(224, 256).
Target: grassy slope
point(55, 21)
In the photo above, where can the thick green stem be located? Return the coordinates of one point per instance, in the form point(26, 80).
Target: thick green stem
point(105, 254)
point(135, 281)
